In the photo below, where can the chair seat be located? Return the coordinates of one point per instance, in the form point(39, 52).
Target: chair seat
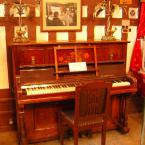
point(69, 115)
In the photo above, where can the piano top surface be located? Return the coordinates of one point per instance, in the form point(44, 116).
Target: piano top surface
point(32, 43)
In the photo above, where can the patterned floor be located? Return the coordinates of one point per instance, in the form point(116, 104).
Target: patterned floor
point(113, 137)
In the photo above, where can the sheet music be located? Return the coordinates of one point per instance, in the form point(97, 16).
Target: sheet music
point(77, 66)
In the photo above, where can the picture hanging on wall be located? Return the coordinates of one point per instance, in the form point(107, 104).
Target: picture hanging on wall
point(62, 15)
point(133, 13)
point(125, 1)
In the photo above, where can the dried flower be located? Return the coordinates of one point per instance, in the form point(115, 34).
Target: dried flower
point(19, 9)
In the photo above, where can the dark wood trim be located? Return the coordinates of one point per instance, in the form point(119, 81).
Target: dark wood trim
point(8, 121)
point(6, 99)
point(7, 110)
point(6, 93)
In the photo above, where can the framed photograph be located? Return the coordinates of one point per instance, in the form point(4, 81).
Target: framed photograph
point(61, 15)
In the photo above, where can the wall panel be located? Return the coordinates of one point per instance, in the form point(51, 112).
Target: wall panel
point(4, 83)
point(7, 110)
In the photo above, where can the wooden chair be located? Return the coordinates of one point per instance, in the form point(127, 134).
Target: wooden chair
point(91, 110)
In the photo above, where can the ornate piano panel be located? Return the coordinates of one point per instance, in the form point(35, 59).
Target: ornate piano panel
point(44, 84)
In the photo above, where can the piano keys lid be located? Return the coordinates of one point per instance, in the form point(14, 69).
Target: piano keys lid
point(37, 75)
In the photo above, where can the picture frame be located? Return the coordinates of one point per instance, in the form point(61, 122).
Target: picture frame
point(125, 1)
point(62, 15)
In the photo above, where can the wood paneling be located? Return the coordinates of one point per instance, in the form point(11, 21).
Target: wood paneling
point(7, 120)
point(7, 104)
point(41, 120)
point(7, 110)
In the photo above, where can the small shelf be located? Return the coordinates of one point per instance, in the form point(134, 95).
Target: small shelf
point(36, 66)
point(75, 72)
point(111, 61)
point(66, 64)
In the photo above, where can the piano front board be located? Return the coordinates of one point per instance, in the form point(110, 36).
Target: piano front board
point(37, 115)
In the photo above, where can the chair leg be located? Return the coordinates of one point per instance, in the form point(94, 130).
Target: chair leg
point(103, 135)
point(75, 133)
point(60, 129)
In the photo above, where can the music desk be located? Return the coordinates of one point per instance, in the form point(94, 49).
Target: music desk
point(142, 91)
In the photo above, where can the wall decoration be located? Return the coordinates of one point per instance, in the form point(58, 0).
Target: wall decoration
point(18, 9)
point(133, 13)
point(20, 34)
point(110, 8)
point(62, 15)
point(125, 26)
point(125, 1)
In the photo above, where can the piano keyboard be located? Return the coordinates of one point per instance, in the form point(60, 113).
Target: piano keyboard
point(50, 88)
point(61, 87)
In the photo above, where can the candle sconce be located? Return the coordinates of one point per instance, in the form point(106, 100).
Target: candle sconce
point(19, 9)
point(110, 9)
point(109, 31)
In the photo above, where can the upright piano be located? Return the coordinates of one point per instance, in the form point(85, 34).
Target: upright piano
point(44, 82)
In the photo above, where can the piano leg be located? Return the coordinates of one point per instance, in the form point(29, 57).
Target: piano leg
point(22, 132)
point(123, 124)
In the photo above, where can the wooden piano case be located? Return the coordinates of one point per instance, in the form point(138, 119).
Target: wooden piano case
point(35, 63)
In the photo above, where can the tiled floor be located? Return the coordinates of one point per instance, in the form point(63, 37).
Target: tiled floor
point(113, 137)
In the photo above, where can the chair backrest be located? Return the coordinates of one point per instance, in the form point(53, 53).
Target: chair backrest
point(92, 100)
